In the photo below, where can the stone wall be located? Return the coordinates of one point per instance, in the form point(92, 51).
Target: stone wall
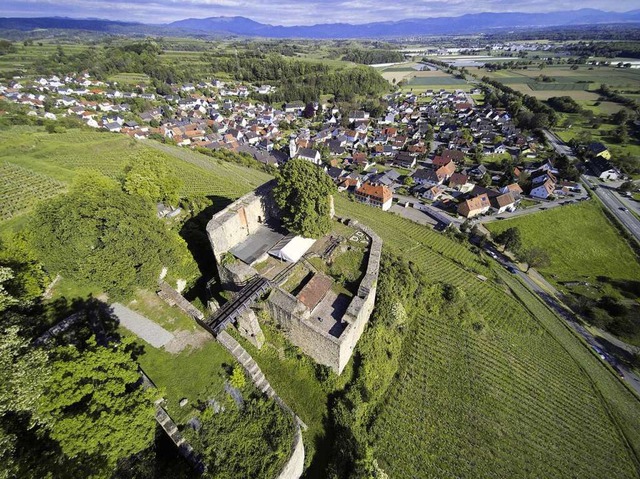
point(232, 225)
point(240, 219)
point(294, 318)
point(295, 465)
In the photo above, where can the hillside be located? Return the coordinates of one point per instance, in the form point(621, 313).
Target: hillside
point(501, 388)
point(35, 165)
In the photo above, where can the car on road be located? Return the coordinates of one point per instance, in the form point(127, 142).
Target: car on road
point(492, 254)
point(622, 208)
point(599, 352)
point(512, 269)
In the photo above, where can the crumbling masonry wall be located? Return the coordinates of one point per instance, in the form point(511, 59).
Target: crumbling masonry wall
point(233, 224)
point(304, 332)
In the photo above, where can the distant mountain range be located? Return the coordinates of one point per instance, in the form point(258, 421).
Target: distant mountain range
point(465, 24)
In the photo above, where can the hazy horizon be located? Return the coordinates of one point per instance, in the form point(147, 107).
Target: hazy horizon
point(289, 12)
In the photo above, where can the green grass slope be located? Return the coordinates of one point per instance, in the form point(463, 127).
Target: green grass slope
point(36, 165)
point(579, 239)
point(501, 390)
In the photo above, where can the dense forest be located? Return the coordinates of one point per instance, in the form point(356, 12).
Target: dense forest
point(622, 49)
point(571, 32)
point(139, 57)
point(371, 57)
point(295, 79)
point(300, 80)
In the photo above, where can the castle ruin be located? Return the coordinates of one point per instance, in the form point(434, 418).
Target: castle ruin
point(323, 322)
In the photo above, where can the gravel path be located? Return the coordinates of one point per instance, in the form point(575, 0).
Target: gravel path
point(142, 327)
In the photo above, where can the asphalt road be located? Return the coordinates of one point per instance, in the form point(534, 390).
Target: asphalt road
point(613, 203)
point(610, 199)
point(601, 343)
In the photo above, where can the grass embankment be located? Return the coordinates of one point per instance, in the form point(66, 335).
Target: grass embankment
point(579, 239)
point(589, 260)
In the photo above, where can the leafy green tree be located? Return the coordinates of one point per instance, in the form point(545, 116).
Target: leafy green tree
point(94, 404)
point(101, 235)
point(6, 300)
point(252, 441)
point(23, 375)
point(535, 258)
point(303, 194)
point(23, 278)
point(148, 176)
point(510, 239)
point(627, 186)
point(485, 180)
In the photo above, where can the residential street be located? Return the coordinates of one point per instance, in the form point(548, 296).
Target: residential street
point(603, 340)
point(544, 205)
point(431, 214)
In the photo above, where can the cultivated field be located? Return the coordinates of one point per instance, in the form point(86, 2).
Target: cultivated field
point(588, 256)
point(36, 165)
point(516, 396)
point(579, 84)
point(396, 73)
point(21, 188)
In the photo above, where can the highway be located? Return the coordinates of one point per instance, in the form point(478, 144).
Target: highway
point(610, 199)
point(606, 195)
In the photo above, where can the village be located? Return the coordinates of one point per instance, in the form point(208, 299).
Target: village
point(437, 157)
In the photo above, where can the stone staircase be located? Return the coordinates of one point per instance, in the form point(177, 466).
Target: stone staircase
point(172, 431)
point(250, 366)
point(295, 465)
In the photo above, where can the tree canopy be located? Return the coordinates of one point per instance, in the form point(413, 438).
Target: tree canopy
point(94, 404)
point(99, 234)
point(150, 178)
point(248, 441)
point(303, 196)
point(536, 258)
point(510, 238)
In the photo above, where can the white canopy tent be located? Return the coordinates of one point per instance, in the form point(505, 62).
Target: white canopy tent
point(291, 248)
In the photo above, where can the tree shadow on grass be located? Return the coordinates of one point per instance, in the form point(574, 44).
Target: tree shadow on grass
point(194, 232)
point(628, 288)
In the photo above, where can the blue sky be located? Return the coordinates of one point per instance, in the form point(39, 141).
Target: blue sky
point(290, 12)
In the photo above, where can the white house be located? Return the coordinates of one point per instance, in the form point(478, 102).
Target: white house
point(310, 155)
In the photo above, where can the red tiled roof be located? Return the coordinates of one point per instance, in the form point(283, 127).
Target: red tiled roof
point(378, 192)
point(313, 292)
